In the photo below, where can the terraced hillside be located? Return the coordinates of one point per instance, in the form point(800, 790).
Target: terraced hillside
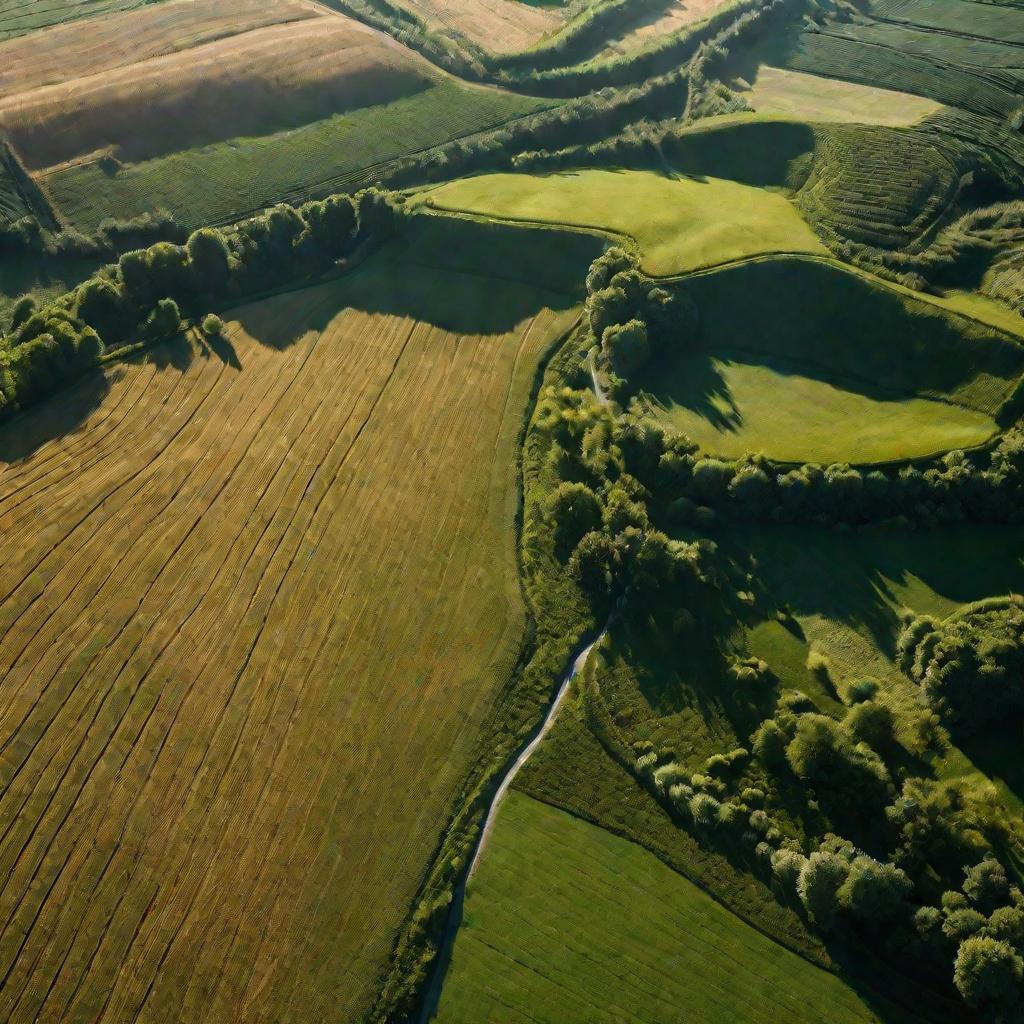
point(265, 601)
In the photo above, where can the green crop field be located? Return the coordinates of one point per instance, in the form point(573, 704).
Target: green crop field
point(680, 223)
point(18, 17)
point(222, 181)
point(733, 406)
point(301, 548)
point(566, 923)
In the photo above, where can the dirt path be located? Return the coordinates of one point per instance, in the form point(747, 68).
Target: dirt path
point(433, 994)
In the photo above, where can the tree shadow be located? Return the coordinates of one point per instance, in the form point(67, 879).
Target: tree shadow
point(693, 381)
point(54, 418)
point(855, 577)
point(220, 346)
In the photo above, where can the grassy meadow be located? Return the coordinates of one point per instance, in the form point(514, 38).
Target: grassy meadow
point(266, 596)
point(680, 223)
point(781, 91)
point(567, 923)
point(731, 406)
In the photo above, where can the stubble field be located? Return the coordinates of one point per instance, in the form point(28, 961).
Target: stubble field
point(263, 600)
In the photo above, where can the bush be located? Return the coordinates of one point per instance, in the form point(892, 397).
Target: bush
point(962, 924)
point(786, 867)
point(213, 326)
point(988, 973)
point(164, 322)
point(872, 723)
point(986, 884)
point(626, 346)
point(861, 690)
point(575, 511)
point(705, 810)
point(818, 886)
point(873, 892)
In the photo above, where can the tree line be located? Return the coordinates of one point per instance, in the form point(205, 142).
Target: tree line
point(143, 297)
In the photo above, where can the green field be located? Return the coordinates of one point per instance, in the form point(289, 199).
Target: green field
point(680, 223)
point(568, 924)
point(795, 94)
point(223, 181)
point(828, 323)
point(733, 406)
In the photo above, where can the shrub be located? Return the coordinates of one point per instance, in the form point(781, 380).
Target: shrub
point(861, 690)
point(1007, 924)
point(818, 886)
point(871, 722)
point(164, 322)
point(786, 867)
point(962, 924)
point(626, 346)
point(874, 892)
point(986, 884)
point(575, 511)
point(988, 973)
point(213, 326)
point(705, 809)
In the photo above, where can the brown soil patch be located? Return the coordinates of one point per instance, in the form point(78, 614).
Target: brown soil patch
point(271, 78)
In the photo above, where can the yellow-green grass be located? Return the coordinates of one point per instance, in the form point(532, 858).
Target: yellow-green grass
point(567, 923)
point(680, 223)
point(822, 320)
point(218, 182)
point(255, 603)
point(731, 406)
point(816, 98)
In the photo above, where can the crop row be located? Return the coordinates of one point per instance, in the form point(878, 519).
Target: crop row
point(258, 607)
point(220, 182)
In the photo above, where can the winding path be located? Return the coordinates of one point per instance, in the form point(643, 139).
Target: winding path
point(433, 994)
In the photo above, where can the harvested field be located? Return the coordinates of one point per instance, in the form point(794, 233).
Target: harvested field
point(500, 26)
point(66, 52)
point(260, 603)
point(796, 94)
point(680, 223)
point(567, 923)
point(256, 83)
point(678, 15)
point(226, 180)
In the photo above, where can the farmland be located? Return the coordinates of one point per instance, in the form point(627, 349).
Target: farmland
point(612, 934)
point(234, 757)
point(225, 180)
point(266, 79)
point(512, 511)
point(793, 93)
point(668, 216)
point(500, 26)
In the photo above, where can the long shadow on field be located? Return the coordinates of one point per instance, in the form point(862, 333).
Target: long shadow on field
point(861, 578)
point(222, 348)
point(54, 418)
point(694, 381)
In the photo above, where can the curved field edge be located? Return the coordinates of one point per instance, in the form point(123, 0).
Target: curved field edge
point(567, 923)
point(281, 333)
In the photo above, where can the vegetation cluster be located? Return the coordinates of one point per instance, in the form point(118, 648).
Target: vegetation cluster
point(145, 295)
point(830, 801)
